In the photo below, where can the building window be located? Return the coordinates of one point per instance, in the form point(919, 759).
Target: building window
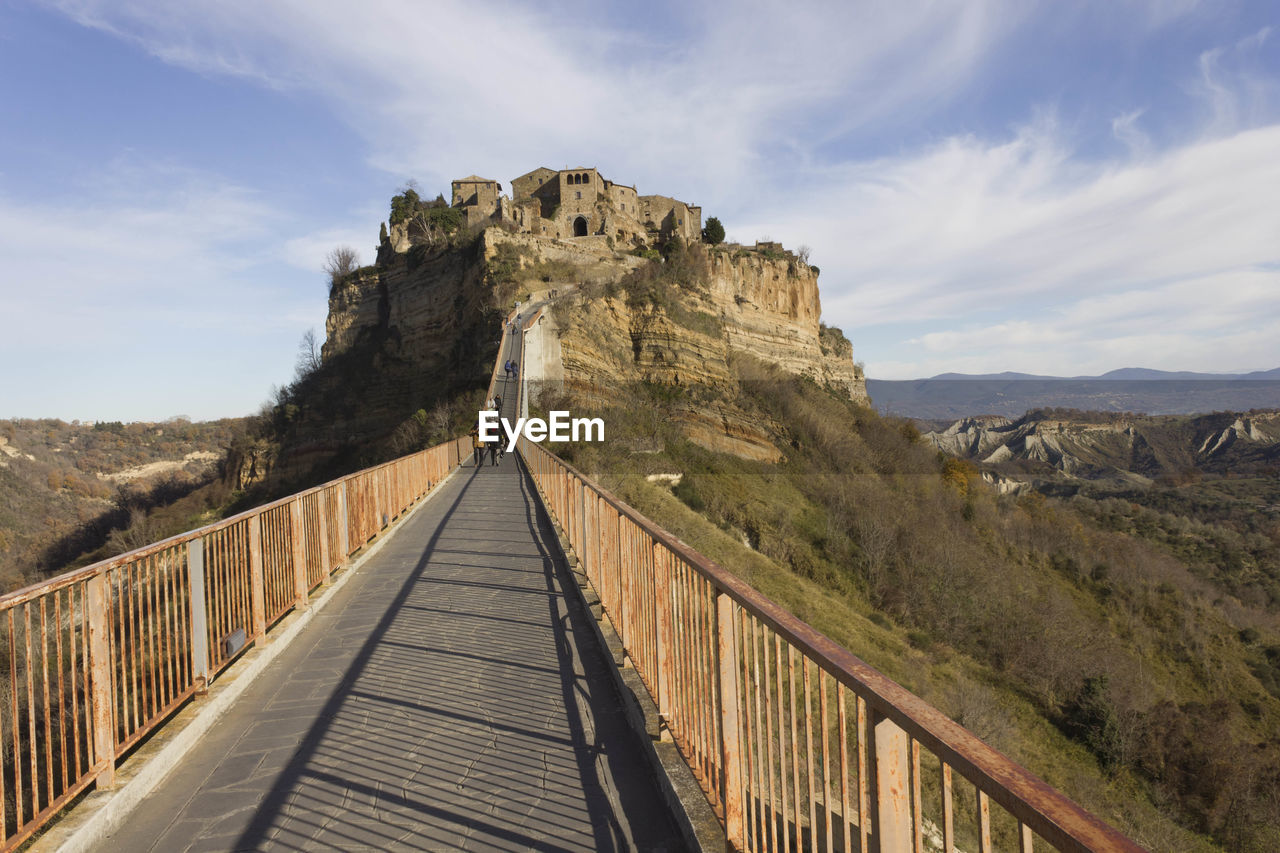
point(579, 193)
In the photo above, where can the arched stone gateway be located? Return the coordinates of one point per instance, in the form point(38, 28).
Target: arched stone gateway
point(580, 227)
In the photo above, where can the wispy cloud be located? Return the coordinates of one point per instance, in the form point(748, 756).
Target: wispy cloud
point(135, 300)
point(458, 86)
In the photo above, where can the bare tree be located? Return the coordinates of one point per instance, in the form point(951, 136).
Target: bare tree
point(803, 254)
point(340, 263)
point(442, 417)
point(308, 354)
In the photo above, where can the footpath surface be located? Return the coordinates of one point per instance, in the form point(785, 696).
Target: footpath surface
point(451, 697)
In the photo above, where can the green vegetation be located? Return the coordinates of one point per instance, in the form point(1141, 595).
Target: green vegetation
point(1103, 661)
point(713, 232)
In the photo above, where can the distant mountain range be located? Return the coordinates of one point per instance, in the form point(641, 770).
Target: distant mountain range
point(1129, 389)
point(1123, 373)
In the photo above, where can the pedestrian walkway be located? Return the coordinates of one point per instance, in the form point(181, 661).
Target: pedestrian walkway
point(450, 697)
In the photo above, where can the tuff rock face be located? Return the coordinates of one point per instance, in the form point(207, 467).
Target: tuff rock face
point(428, 308)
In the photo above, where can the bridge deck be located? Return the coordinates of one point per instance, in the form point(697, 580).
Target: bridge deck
point(450, 697)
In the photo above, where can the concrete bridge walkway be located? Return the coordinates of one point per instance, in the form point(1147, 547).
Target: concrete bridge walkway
point(451, 696)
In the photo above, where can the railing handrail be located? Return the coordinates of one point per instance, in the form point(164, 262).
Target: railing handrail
point(1049, 813)
point(72, 576)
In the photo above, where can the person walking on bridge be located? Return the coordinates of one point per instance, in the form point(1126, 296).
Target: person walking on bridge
point(477, 446)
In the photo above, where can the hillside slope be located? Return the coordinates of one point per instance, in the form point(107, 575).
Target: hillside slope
point(1099, 657)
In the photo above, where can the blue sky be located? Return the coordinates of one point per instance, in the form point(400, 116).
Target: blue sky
point(1061, 188)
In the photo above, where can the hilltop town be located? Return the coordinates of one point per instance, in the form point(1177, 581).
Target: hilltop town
point(578, 204)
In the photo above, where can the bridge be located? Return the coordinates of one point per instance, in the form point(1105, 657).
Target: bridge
point(439, 654)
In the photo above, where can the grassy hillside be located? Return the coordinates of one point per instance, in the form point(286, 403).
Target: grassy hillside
point(1100, 659)
point(71, 488)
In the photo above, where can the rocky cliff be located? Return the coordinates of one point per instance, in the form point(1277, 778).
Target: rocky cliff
point(1132, 448)
point(683, 324)
point(433, 305)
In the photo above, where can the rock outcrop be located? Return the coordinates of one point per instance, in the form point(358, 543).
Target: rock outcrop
point(433, 307)
point(1128, 448)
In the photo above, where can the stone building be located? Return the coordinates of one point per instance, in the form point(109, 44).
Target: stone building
point(578, 203)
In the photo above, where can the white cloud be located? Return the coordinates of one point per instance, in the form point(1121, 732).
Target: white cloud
point(159, 291)
point(1021, 229)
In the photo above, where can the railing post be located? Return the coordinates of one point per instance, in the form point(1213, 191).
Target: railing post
point(662, 610)
point(322, 524)
point(730, 747)
point(344, 525)
point(104, 730)
point(297, 541)
point(579, 530)
point(890, 756)
point(199, 614)
point(257, 582)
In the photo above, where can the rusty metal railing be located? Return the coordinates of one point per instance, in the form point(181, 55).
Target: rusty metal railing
point(96, 659)
point(796, 743)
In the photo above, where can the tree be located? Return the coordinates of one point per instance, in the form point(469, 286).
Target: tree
point(340, 263)
point(308, 354)
point(713, 232)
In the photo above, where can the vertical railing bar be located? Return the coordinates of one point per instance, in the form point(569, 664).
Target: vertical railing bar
point(826, 757)
point(984, 822)
point(792, 691)
point(148, 647)
point(220, 599)
point(742, 633)
point(48, 709)
point(782, 746)
point(4, 800)
point(13, 693)
point(948, 810)
point(766, 677)
point(761, 785)
point(84, 670)
point(808, 749)
point(842, 723)
point(170, 674)
point(714, 736)
point(864, 771)
point(62, 688)
point(71, 670)
point(917, 805)
point(130, 644)
point(31, 714)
